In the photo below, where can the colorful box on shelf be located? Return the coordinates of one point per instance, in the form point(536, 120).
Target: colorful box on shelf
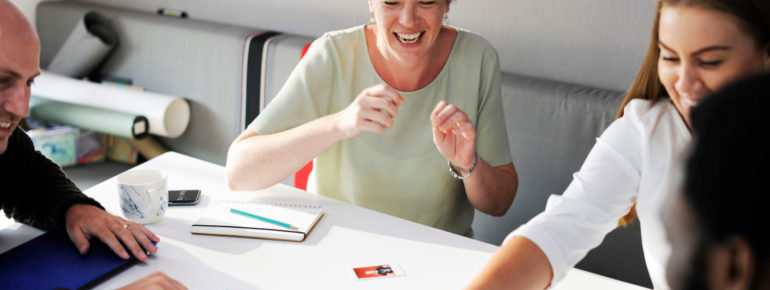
point(120, 149)
point(58, 144)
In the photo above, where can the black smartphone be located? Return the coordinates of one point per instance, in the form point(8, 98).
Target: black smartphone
point(184, 197)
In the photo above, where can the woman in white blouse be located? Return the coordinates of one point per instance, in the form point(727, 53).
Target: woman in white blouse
point(697, 46)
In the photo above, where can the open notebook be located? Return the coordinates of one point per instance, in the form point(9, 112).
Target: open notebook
point(280, 221)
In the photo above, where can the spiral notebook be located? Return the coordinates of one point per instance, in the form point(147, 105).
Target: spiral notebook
point(263, 220)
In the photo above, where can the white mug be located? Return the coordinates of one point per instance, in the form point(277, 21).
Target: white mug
point(143, 195)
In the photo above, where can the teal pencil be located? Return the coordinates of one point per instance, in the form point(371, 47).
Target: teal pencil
point(264, 219)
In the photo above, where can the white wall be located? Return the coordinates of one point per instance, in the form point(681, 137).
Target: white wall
point(592, 42)
point(27, 7)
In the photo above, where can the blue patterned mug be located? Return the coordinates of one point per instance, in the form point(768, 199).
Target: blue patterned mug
point(143, 195)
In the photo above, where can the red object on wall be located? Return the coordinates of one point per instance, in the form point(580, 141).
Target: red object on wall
point(304, 50)
point(300, 178)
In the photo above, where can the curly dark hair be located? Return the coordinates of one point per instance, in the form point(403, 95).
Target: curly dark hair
point(725, 181)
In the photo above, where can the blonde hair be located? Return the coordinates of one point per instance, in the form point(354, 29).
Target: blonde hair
point(753, 18)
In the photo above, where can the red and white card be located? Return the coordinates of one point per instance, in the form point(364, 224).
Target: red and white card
point(377, 271)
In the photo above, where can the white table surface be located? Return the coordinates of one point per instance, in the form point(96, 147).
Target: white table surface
point(347, 236)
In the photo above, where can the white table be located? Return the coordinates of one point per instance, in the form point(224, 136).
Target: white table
point(346, 237)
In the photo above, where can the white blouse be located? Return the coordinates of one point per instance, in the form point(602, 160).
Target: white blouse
point(638, 158)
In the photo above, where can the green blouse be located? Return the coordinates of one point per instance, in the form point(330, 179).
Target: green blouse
point(399, 172)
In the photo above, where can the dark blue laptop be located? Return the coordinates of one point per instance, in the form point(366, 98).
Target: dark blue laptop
point(51, 261)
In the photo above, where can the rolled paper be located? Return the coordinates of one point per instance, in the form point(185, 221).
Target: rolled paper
point(168, 116)
point(149, 147)
point(92, 118)
point(86, 46)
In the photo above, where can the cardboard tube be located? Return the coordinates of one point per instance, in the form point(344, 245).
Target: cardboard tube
point(86, 46)
point(168, 115)
point(148, 147)
point(96, 119)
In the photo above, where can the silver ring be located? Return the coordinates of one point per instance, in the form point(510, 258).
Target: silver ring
point(125, 226)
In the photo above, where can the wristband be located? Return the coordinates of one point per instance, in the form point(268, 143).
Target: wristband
point(456, 174)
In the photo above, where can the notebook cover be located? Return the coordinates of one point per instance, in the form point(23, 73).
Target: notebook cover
point(219, 221)
point(51, 261)
point(218, 229)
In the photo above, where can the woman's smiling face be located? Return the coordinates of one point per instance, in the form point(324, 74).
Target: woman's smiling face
point(407, 29)
point(702, 50)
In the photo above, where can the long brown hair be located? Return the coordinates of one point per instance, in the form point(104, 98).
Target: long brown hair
point(753, 18)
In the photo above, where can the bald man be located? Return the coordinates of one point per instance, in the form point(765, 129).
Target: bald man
point(33, 189)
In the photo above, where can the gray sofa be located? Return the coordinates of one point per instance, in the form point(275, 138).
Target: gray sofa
point(551, 128)
point(551, 125)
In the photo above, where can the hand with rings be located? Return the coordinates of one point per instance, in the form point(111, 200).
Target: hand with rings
point(454, 135)
point(84, 222)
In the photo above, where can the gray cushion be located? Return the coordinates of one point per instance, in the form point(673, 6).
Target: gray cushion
point(551, 128)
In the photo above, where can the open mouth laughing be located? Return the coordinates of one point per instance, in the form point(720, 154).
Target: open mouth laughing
point(408, 38)
point(688, 103)
point(6, 125)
